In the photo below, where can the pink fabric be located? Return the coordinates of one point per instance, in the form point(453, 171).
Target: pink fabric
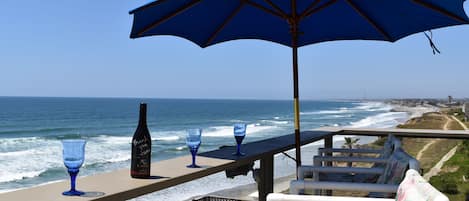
point(415, 188)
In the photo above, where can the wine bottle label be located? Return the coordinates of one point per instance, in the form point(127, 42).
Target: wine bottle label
point(142, 146)
point(141, 156)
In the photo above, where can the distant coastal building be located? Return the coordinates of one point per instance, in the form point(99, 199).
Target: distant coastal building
point(450, 99)
point(465, 110)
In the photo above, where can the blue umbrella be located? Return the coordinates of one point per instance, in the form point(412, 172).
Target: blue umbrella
point(294, 23)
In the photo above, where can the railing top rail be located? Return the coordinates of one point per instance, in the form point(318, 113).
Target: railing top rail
point(415, 133)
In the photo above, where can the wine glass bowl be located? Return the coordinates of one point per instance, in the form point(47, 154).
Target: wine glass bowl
point(73, 156)
point(193, 141)
point(239, 131)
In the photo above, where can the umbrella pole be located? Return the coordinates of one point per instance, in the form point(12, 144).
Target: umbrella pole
point(294, 21)
point(296, 108)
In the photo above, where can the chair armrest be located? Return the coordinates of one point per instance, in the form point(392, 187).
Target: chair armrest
point(297, 185)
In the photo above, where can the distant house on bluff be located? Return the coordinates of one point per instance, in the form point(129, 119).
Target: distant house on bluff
point(465, 109)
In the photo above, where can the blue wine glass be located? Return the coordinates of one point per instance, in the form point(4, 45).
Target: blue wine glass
point(74, 156)
point(239, 134)
point(193, 140)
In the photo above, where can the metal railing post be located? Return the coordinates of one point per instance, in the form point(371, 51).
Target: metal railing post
point(266, 174)
point(328, 143)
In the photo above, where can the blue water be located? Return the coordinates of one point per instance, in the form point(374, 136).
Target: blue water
point(31, 129)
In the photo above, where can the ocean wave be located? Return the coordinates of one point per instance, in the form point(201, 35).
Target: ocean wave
point(167, 138)
point(181, 148)
point(382, 120)
point(37, 156)
point(35, 131)
point(16, 153)
point(236, 121)
point(227, 131)
point(114, 139)
point(119, 158)
point(274, 122)
point(9, 176)
point(373, 106)
point(331, 117)
point(361, 107)
point(108, 151)
point(338, 111)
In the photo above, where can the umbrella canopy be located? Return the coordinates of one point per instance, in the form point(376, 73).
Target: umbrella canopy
point(294, 23)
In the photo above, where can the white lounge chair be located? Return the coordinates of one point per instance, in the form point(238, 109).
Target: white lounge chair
point(348, 178)
point(379, 162)
point(412, 188)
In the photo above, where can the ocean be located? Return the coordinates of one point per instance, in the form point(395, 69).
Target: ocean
point(31, 130)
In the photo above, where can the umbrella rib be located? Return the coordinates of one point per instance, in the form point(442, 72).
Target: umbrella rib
point(225, 22)
point(440, 10)
point(370, 21)
point(312, 11)
point(310, 7)
point(278, 9)
point(169, 16)
point(256, 5)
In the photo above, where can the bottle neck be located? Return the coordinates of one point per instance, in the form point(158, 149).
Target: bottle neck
point(142, 121)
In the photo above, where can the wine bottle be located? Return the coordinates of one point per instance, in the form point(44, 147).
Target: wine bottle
point(141, 147)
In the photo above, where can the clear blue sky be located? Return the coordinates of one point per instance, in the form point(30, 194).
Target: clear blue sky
point(82, 48)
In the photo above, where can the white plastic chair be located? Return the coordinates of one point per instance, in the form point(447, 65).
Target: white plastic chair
point(412, 188)
point(389, 176)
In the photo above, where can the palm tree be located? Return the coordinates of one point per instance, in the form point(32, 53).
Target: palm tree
point(350, 143)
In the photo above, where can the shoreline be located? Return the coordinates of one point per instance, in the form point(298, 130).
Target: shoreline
point(248, 192)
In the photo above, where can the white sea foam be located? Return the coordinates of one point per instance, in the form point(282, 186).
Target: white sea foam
point(7, 176)
point(340, 116)
point(37, 156)
point(181, 148)
point(120, 157)
point(167, 138)
point(114, 139)
point(16, 153)
point(16, 144)
point(338, 111)
point(383, 120)
point(41, 154)
point(373, 106)
point(227, 131)
point(274, 122)
point(361, 107)
point(109, 151)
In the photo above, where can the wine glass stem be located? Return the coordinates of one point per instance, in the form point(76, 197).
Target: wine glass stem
point(73, 176)
point(193, 152)
point(238, 148)
point(193, 159)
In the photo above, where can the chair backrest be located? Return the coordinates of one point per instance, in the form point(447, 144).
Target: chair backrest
point(415, 188)
point(399, 162)
point(391, 144)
